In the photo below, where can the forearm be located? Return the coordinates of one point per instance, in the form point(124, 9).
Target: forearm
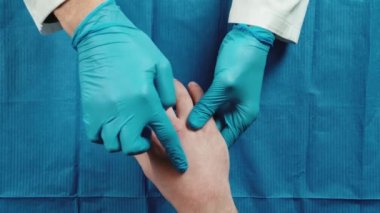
point(72, 12)
point(223, 204)
point(215, 201)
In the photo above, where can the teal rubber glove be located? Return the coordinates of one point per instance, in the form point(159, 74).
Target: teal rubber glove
point(235, 90)
point(125, 84)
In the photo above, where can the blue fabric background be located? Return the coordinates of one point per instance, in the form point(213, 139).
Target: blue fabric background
point(314, 148)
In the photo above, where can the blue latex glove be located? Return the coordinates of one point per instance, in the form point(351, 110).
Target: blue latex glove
point(235, 90)
point(125, 81)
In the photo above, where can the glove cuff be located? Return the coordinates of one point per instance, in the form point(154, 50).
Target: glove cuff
point(264, 36)
point(104, 16)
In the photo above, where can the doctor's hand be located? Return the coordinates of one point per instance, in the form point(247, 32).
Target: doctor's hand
point(235, 91)
point(125, 80)
point(205, 186)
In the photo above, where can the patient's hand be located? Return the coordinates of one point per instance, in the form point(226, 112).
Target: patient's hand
point(205, 186)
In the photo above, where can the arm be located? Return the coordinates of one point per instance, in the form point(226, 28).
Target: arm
point(72, 12)
point(205, 186)
point(283, 18)
point(125, 80)
point(42, 14)
point(234, 95)
point(50, 16)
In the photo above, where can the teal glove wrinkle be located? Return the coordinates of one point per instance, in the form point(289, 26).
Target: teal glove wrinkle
point(125, 84)
point(261, 34)
point(237, 82)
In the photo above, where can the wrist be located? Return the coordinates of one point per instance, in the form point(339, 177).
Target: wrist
point(211, 201)
point(72, 12)
point(221, 205)
point(263, 35)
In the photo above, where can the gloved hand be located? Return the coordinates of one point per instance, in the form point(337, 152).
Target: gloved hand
point(235, 90)
point(125, 81)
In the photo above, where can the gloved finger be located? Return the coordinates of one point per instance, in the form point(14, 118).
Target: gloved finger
point(138, 146)
point(207, 106)
point(95, 138)
point(142, 144)
point(196, 93)
point(164, 82)
point(230, 135)
point(109, 135)
point(157, 149)
point(168, 137)
point(184, 103)
point(93, 134)
point(132, 142)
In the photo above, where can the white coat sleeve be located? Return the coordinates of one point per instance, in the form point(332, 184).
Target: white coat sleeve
point(40, 10)
point(284, 18)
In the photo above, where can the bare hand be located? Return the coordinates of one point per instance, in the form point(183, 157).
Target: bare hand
point(205, 186)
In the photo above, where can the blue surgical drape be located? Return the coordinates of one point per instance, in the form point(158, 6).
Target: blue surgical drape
point(315, 146)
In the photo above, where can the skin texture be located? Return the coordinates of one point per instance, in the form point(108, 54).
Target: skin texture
point(205, 186)
point(72, 12)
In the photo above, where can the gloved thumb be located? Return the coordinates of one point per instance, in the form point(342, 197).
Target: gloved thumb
point(167, 135)
point(207, 106)
point(164, 82)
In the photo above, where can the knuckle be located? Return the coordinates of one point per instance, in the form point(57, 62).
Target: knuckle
point(228, 80)
point(165, 64)
point(102, 101)
point(143, 95)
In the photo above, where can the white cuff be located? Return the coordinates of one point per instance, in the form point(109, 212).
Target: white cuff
point(283, 18)
point(40, 10)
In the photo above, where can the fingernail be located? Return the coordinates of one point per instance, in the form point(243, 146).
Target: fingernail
point(192, 83)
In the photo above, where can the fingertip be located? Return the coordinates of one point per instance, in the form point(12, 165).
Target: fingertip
point(192, 84)
point(94, 137)
point(179, 88)
point(141, 145)
point(182, 168)
point(195, 86)
point(164, 83)
point(196, 91)
point(177, 155)
point(113, 148)
point(168, 137)
point(179, 160)
point(138, 151)
point(96, 141)
point(194, 123)
point(168, 101)
point(109, 136)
